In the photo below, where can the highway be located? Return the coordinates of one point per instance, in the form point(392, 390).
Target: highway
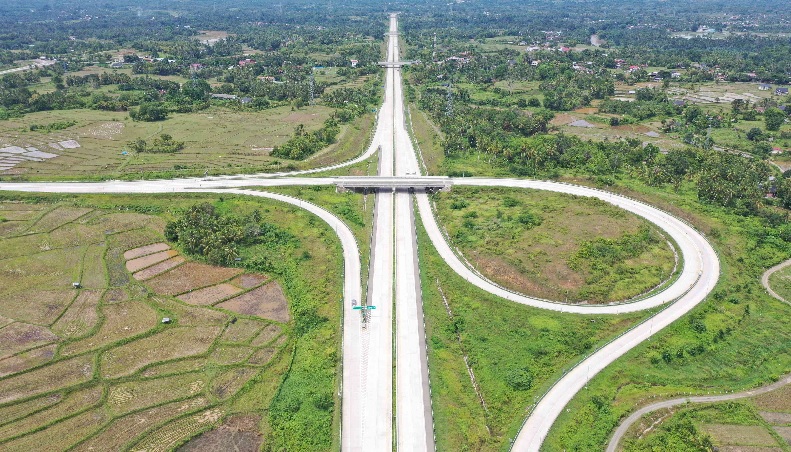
point(376, 423)
point(369, 378)
point(414, 419)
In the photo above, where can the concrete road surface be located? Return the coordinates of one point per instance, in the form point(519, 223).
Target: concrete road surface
point(414, 420)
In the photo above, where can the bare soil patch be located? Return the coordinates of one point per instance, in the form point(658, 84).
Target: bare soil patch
point(167, 437)
point(778, 400)
point(169, 344)
point(127, 397)
point(263, 356)
point(146, 250)
point(238, 433)
point(18, 337)
point(266, 335)
point(191, 276)
point(41, 307)
point(231, 381)
point(49, 378)
point(266, 301)
point(250, 280)
point(632, 128)
point(776, 418)
point(739, 435)
point(209, 295)
point(158, 269)
point(121, 321)
point(72, 403)
point(242, 330)
point(226, 354)
point(147, 261)
point(26, 360)
point(127, 428)
point(562, 119)
point(80, 317)
point(115, 296)
point(785, 433)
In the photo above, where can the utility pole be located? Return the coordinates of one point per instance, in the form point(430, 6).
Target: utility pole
point(312, 88)
point(449, 105)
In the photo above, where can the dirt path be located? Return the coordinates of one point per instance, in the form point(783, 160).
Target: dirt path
point(768, 273)
point(621, 431)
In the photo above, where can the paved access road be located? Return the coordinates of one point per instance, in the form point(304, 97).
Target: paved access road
point(634, 417)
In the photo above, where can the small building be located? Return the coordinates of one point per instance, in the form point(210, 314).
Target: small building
point(764, 87)
point(166, 320)
point(246, 100)
point(246, 62)
point(196, 66)
point(116, 65)
point(353, 63)
point(781, 91)
point(224, 96)
point(76, 285)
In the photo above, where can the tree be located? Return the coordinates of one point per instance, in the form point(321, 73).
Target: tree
point(149, 111)
point(754, 134)
point(138, 145)
point(774, 118)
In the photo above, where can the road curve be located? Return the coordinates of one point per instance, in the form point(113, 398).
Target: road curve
point(700, 269)
point(698, 277)
point(768, 273)
point(612, 446)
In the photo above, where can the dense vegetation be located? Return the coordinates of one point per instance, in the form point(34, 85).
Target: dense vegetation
point(203, 232)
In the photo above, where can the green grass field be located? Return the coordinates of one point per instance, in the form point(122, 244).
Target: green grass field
point(780, 281)
point(734, 340)
point(535, 243)
point(72, 356)
point(513, 351)
point(218, 140)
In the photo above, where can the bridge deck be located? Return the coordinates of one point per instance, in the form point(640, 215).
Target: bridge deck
point(419, 182)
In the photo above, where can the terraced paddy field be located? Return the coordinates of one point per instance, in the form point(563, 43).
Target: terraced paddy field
point(155, 347)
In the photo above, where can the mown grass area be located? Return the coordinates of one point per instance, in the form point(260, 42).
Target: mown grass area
point(736, 339)
point(556, 246)
point(780, 281)
point(288, 387)
point(218, 140)
point(515, 353)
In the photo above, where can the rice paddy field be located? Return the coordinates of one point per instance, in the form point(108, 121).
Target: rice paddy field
point(154, 350)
